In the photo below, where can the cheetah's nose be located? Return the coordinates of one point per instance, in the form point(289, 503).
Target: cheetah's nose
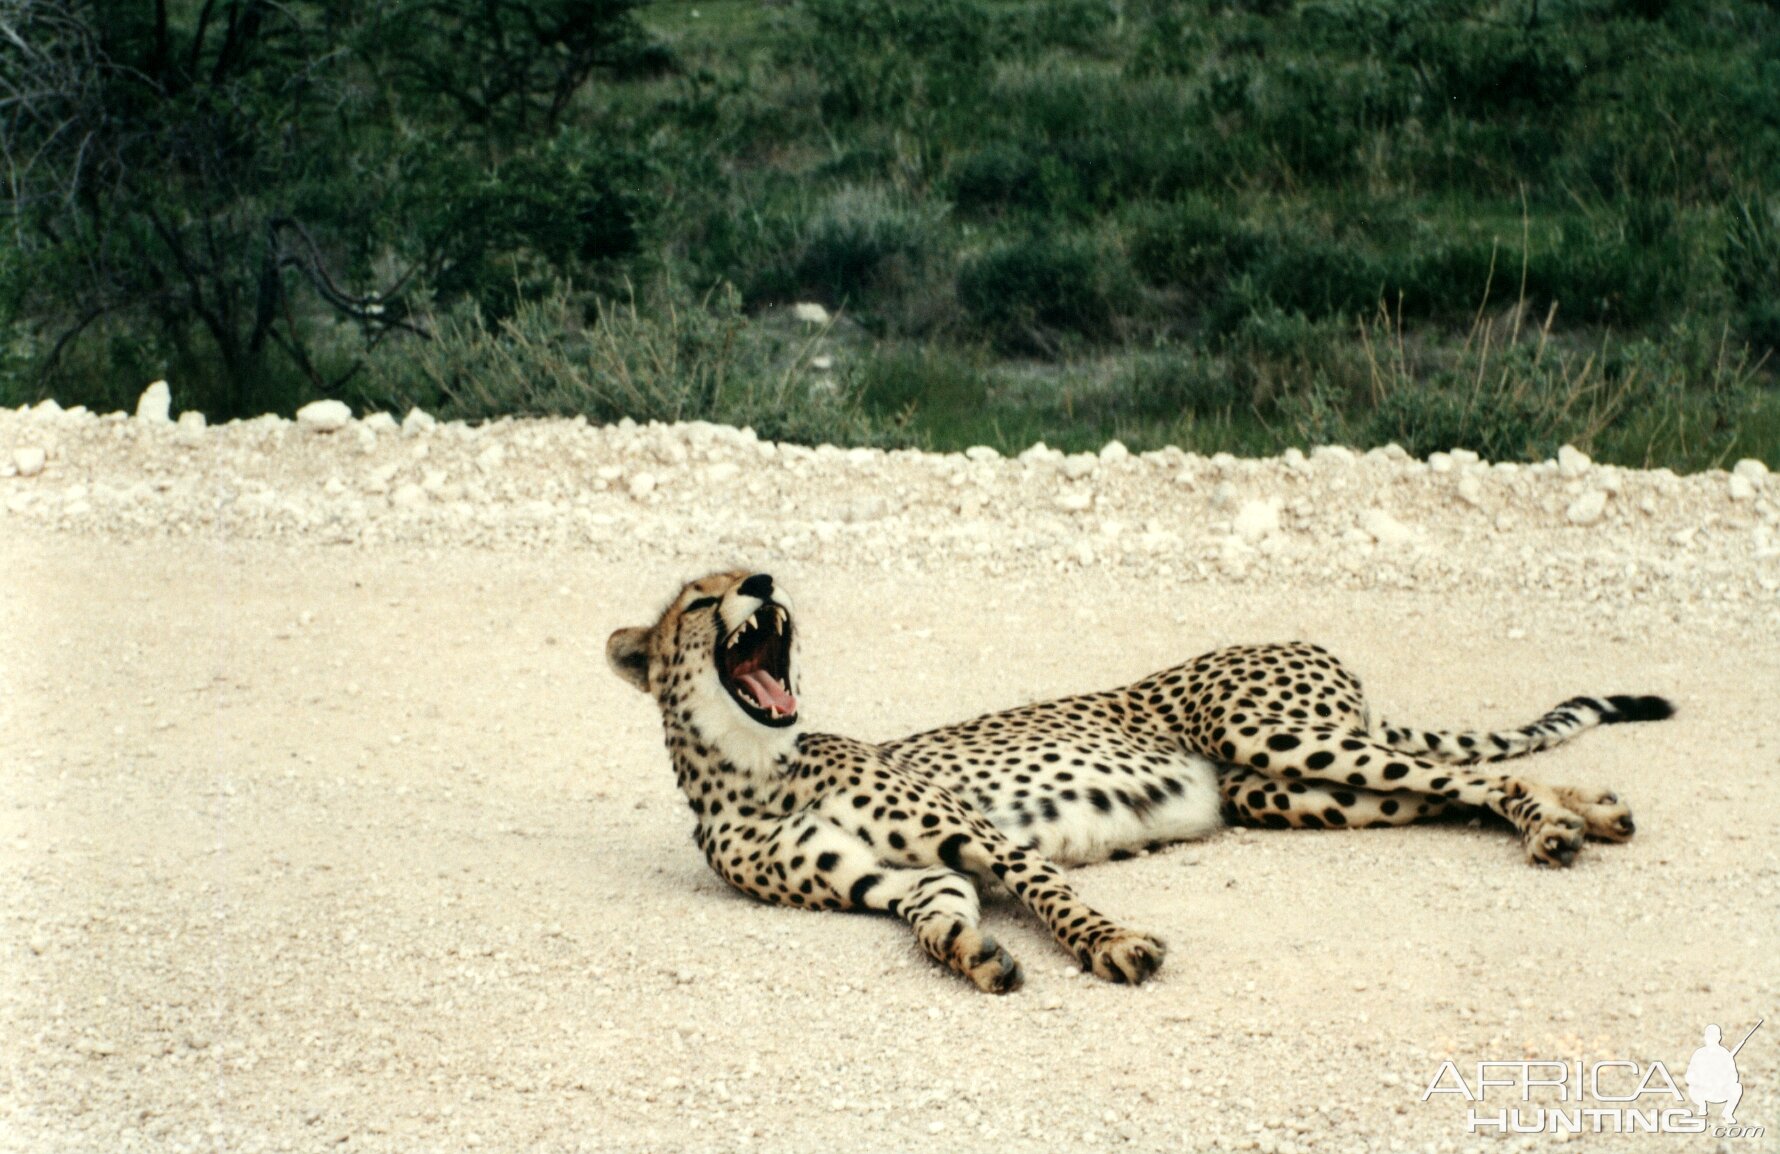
point(760, 585)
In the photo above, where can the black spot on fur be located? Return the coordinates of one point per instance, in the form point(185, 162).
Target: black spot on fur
point(863, 886)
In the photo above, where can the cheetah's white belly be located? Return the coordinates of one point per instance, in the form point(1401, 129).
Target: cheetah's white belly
point(1082, 834)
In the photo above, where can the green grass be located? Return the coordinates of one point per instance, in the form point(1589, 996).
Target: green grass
point(1225, 224)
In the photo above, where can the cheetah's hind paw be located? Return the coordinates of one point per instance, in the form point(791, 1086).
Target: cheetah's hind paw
point(1604, 816)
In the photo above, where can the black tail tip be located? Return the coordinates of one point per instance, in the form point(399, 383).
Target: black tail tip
point(1627, 708)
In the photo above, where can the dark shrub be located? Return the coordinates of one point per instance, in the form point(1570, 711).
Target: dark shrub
point(1030, 292)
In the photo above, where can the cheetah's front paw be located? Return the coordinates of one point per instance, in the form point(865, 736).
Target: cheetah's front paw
point(1127, 957)
point(1604, 816)
point(992, 969)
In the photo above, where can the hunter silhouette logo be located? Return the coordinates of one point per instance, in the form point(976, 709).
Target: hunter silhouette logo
point(1712, 1074)
point(1610, 1096)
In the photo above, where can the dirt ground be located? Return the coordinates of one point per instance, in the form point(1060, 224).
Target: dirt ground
point(310, 845)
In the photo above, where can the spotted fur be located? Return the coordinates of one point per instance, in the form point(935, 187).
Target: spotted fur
point(1269, 735)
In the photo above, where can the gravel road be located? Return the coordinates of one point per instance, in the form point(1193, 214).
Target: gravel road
point(324, 825)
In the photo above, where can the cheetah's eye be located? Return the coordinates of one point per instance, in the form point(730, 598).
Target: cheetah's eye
point(701, 603)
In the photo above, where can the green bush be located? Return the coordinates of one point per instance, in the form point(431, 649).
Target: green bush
point(673, 359)
point(863, 239)
point(1031, 294)
point(1751, 255)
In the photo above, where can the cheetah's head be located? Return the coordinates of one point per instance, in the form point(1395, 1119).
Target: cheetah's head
point(722, 655)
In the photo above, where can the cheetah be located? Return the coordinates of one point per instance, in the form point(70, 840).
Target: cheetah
point(1270, 735)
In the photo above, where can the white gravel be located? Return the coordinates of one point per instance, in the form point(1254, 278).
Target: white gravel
point(325, 826)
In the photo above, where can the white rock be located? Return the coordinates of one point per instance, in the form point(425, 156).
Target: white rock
point(380, 423)
point(1752, 470)
point(29, 460)
point(1114, 452)
point(810, 313)
point(1075, 501)
point(1464, 457)
point(1572, 462)
point(1470, 490)
point(49, 408)
point(1440, 462)
point(1588, 508)
point(1080, 465)
point(1334, 454)
point(381, 476)
point(1257, 519)
point(1384, 528)
point(1293, 458)
point(155, 403)
point(417, 423)
point(324, 416)
point(492, 458)
point(1040, 452)
point(1741, 488)
point(982, 453)
point(642, 485)
point(822, 363)
point(408, 496)
point(192, 421)
point(1224, 496)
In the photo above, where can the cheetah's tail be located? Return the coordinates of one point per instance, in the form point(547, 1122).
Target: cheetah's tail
point(1573, 717)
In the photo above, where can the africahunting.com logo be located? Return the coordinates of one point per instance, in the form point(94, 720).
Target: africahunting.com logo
point(1615, 1096)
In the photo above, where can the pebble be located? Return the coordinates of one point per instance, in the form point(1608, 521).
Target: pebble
point(418, 423)
point(155, 404)
point(642, 485)
point(1572, 462)
point(408, 496)
point(1257, 519)
point(324, 416)
point(1588, 508)
point(29, 460)
point(1384, 528)
point(1470, 490)
point(1114, 452)
point(810, 313)
point(1075, 501)
point(1079, 466)
point(492, 458)
point(192, 421)
point(1741, 488)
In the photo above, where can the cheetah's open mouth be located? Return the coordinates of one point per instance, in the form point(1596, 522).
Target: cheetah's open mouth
point(754, 664)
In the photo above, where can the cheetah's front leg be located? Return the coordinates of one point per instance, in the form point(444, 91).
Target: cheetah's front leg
point(941, 905)
point(1103, 947)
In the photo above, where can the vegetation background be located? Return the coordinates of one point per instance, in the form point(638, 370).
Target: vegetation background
point(1225, 225)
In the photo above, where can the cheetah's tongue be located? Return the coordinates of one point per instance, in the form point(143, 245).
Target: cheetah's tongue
point(766, 689)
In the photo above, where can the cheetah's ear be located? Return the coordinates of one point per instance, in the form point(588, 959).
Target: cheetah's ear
point(628, 652)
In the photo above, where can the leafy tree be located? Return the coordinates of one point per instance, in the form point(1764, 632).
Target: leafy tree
point(250, 178)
